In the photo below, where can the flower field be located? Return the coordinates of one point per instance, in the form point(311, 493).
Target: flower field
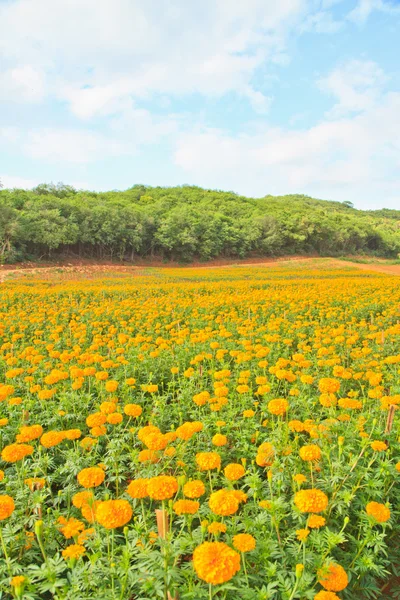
point(221, 433)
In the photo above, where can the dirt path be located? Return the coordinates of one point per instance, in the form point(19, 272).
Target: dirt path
point(7, 272)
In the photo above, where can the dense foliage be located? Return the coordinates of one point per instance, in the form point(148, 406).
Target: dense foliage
point(201, 434)
point(184, 223)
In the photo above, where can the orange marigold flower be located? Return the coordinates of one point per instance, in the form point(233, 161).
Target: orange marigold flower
point(186, 507)
point(219, 439)
point(148, 456)
point(1, 475)
point(35, 483)
point(114, 418)
point(194, 488)
point(156, 441)
point(234, 471)
point(15, 452)
point(310, 453)
point(378, 446)
point(71, 528)
point(328, 385)
point(88, 510)
point(162, 487)
point(96, 419)
point(113, 513)
point(265, 504)
point(85, 535)
point(7, 507)
point(322, 595)
point(333, 578)
point(106, 408)
point(206, 461)
point(91, 477)
point(315, 522)
point(145, 431)
point(311, 501)
point(138, 488)
point(215, 562)
point(17, 581)
point(72, 434)
point(216, 527)
point(133, 410)
point(52, 438)
point(73, 551)
point(81, 498)
point(278, 407)
point(223, 503)
point(380, 512)
point(244, 542)
point(302, 534)
point(27, 433)
point(300, 478)
point(397, 467)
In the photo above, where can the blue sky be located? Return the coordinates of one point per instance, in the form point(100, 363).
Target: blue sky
point(260, 96)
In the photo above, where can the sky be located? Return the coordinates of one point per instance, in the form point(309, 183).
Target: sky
point(253, 96)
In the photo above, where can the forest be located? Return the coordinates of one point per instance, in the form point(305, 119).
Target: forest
point(185, 223)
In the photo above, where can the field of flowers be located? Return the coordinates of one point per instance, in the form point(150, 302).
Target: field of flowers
point(200, 434)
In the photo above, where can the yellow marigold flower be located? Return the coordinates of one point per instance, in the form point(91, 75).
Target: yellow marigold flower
point(91, 477)
point(87, 443)
point(234, 471)
point(35, 483)
point(296, 426)
point(73, 551)
point(27, 433)
point(114, 418)
point(302, 534)
point(322, 595)
point(310, 453)
point(133, 410)
point(219, 439)
point(206, 461)
point(223, 503)
point(145, 431)
point(333, 578)
point(215, 562)
point(52, 438)
point(96, 419)
point(72, 434)
point(378, 446)
point(17, 581)
point(194, 489)
point(239, 495)
point(278, 407)
point(113, 513)
point(138, 488)
point(350, 404)
point(16, 452)
point(315, 521)
point(7, 507)
point(216, 527)
point(311, 501)
point(329, 385)
point(244, 542)
point(71, 528)
point(88, 510)
point(265, 504)
point(300, 478)
point(111, 386)
point(108, 407)
point(81, 498)
point(380, 512)
point(162, 487)
point(248, 413)
point(186, 507)
point(148, 456)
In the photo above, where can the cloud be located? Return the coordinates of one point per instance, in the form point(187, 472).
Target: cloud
point(23, 84)
point(11, 181)
point(356, 85)
point(123, 50)
point(353, 154)
point(365, 8)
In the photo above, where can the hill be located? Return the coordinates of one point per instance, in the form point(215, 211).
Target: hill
point(184, 223)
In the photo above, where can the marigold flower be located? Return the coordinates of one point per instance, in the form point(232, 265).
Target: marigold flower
point(148, 456)
point(16, 452)
point(378, 446)
point(114, 419)
point(311, 501)
point(329, 385)
point(186, 507)
point(322, 595)
point(113, 513)
point(71, 528)
point(17, 581)
point(73, 551)
point(310, 453)
point(234, 471)
point(138, 488)
point(35, 483)
point(278, 407)
point(244, 542)
point(72, 434)
point(52, 438)
point(133, 410)
point(219, 439)
point(215, 562)
point(333, 578)
point(216, 527)
point(91, 477)
point(194, 488)
point(300, 478)
point(7, 507)
point(302, 534)
point(162, 487)
point(380, 512)
point(96, 419)
point(108, 407)
point(265, 504)
point(315, 521)
point(1, 475)
point(81, 498)
point(206, 461)
point(223, 503)
point(27, 433)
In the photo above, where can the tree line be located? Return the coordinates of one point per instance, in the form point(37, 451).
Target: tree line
point(184, 223)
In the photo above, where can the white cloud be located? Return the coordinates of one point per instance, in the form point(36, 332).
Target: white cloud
point(22, 84)
point(356, 85)
point(100, 54)
point(365, 8)
point(11, 181)
point(352, 157)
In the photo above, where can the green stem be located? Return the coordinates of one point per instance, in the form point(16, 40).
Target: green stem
point(3, 545)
